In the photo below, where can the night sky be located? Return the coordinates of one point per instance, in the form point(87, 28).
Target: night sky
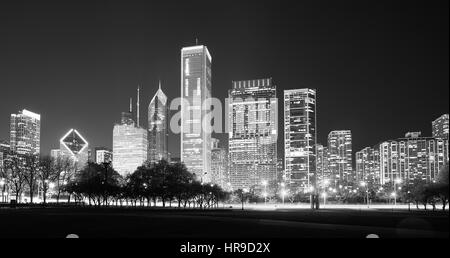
point(381, 69)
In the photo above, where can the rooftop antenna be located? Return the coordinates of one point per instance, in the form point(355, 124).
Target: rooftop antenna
point(159, 84)
point(196, 41)
point(131, 105)
point(138, 106)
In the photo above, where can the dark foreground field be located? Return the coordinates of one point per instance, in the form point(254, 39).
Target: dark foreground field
point(216, 224)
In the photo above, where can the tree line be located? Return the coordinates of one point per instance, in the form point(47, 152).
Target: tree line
point(100, 185)
point(151, 183)
point(30, 174)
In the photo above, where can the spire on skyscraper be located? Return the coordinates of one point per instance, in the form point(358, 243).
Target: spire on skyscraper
point(137, 112)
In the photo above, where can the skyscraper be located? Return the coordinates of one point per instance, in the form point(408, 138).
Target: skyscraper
point(322, 165)
point(412, 158)
point(158, 126)
point(368, 165)
point(253, 132)
point(340, 159)
point(440, 127)
point(219, 164)
point(195, 90)
point(130, 145)
point(4, 152)
point(25, 132)
point(74, 146)
point(300, 137)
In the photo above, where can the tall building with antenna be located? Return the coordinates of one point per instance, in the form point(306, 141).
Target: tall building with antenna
point(195, 91)
point(130, 142)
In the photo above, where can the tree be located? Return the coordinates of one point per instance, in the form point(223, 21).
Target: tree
point(243, 196)
point(178, 179)
point(96, 183)
point(15, 174)
point(65, 169)
point(406, 194)
point(442, 186)
point(31, 169)
point(46, 174)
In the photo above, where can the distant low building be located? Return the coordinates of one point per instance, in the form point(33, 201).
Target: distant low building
point(55, 153)
point(103, 155)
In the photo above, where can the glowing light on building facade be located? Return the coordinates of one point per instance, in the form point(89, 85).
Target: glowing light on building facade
point(195, 90)
point(158, 126)
point(25, 133)
point(253, 132)
point(300, 137)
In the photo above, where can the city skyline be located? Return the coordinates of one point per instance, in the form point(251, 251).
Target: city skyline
point(394, 76)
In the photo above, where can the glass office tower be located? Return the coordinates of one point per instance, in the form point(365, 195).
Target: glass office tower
point(300, 137)
point(252, 121)
point(195, 90)
point(130, 145)
point(340, 159)
point(25, 133)
point(158, 126)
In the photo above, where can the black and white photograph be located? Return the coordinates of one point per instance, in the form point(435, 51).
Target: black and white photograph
point(224, 127)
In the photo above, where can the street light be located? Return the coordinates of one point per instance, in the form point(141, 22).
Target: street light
point(264, 183)
point(283, 193)
point(244, 191)
point(2, 184)
point(324, 195)
point(364, 184)
point(394, 194)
